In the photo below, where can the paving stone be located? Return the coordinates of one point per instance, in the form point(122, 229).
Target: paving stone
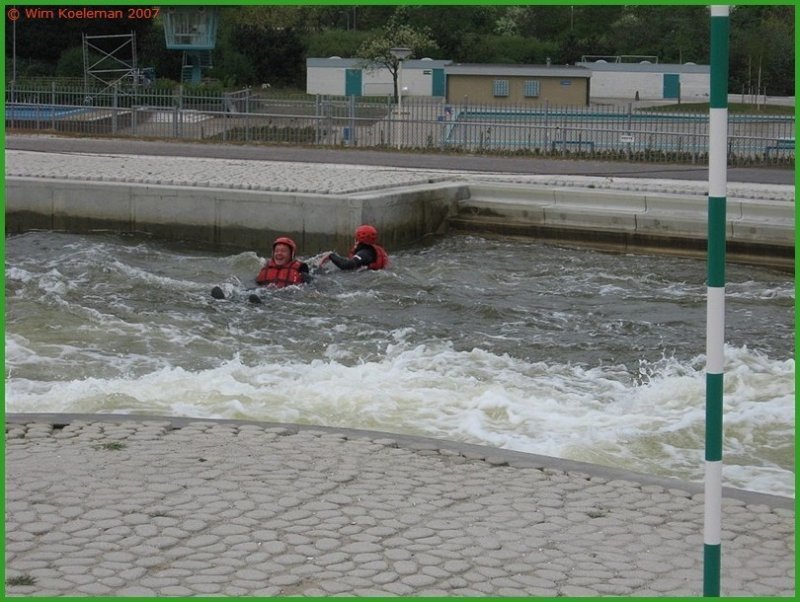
point(266, 525)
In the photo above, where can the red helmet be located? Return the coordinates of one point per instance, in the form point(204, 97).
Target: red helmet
point(367, 234)
point(285, 240)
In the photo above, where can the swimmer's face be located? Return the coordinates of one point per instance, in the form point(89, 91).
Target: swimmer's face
point(281, 254)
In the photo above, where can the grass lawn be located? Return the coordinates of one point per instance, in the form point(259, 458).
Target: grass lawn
point(734, 107)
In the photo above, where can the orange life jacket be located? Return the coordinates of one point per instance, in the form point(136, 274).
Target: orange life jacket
point(280, 276)
point(381, 257)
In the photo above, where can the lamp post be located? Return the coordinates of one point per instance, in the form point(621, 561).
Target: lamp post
point(400, 54)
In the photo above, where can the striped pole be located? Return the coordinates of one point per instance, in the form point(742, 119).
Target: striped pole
point(715, 313)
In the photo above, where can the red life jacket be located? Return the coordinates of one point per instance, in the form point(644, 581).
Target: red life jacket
point(381, 259)
point(280, 276)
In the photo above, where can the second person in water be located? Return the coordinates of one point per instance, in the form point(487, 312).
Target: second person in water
point(366, 252)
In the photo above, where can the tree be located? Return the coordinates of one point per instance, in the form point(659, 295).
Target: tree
point(762, 49)
point(276, 55)
point(153, 52)
point(335, 42)
point(451, 25)
point(377, 49)
point(514, 49)
point(70, 64)
point(233, 69)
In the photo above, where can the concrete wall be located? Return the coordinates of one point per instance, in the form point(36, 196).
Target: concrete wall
point(230, 218)
point(327, 80)
point(379, 82)
point(695, 86)
point(758, 231)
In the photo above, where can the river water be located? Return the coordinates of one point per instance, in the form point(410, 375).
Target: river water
point(570, 353)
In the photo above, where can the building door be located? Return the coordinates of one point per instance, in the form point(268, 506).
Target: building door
point(352, 82)
point(437, 83)
point(672, 86)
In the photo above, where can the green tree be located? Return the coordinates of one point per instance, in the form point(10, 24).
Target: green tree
point(451, 26)
point(762, 49)
point(335, 42)
point(277, 55)
point(153, 53)
point(376, 51)
point(70, 64)
point(513, 49)
point(233, 69)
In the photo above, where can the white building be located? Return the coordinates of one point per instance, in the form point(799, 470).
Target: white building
point(649, 81)
point(350, 77)
point(428, 78)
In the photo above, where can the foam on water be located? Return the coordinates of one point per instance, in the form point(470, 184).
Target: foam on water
point(596, 414)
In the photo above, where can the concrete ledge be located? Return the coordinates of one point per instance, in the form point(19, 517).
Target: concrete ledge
point(601, 200)
point(229, 217)
point(758, 231)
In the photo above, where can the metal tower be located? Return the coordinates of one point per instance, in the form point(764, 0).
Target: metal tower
point(192, 29)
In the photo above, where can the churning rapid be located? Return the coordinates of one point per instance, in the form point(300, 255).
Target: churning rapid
point(569, 353)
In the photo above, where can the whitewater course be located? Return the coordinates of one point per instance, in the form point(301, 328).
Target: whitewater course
point(515, 408)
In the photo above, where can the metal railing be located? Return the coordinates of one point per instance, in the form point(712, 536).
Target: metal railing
point(607, 132)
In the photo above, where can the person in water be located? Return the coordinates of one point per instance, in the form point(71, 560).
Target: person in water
point(366, 252)
point(281, 270)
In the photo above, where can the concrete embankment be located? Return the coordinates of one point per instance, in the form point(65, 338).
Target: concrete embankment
point(243, 203)
point(759, 230)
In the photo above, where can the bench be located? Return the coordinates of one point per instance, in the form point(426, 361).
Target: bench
point(781, 144)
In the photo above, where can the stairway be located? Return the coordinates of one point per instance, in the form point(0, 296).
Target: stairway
point(193, 64)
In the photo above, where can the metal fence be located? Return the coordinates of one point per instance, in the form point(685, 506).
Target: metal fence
point(607, 132)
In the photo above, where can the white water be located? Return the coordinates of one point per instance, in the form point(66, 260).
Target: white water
point(594, 361)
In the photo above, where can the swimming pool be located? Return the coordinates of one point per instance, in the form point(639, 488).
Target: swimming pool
point(37, 112)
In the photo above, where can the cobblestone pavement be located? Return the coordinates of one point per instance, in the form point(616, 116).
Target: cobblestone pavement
point(485, 164)
point(324, 178)
point(137, 506)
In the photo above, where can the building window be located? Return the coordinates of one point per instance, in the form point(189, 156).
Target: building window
point(500, 87)
point(531, 88)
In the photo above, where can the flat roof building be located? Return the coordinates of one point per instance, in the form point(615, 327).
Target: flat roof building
point(649, 81)
point(517, 84)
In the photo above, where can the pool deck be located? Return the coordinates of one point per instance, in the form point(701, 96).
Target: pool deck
point(158, 506)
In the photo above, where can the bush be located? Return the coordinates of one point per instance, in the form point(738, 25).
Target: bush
point(71, 63)
point(234, 69)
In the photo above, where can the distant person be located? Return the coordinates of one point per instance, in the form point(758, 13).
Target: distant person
point(366, 252)
point(281, 270)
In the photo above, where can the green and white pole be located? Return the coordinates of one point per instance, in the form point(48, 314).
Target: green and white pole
point(715, 315)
